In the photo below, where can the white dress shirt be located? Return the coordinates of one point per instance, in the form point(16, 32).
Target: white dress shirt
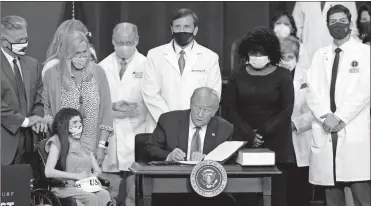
point(10, 60)
point(186, 50)
point(192, 130)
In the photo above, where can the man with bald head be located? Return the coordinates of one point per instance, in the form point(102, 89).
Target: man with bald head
point(190, 134)
point(124, 69)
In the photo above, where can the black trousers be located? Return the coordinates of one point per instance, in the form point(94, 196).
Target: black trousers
point(335, 196)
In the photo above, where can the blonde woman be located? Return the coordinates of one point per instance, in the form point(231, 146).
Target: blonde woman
point(77, 82)
point(65, 28)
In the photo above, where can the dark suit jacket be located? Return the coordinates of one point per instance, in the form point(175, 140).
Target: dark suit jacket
point(172, 131)
point(11, 114)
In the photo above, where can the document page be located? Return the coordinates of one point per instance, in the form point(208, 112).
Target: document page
point(220, 153)
point(225, 150)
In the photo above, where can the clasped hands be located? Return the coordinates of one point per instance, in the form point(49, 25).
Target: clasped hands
point(37, 124)
point(178, 155)
point(123, 109)
point(332, 123)
point(258, 140)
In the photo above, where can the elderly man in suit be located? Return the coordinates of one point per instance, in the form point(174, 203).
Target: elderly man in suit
point(190, 135)
point(21, 87)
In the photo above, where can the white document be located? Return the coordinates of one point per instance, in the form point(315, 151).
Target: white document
point(220, 153)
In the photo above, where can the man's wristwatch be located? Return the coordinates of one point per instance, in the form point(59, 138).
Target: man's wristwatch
point(103, 144)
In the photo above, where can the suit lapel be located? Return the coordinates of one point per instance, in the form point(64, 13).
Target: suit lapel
point(210, 136)
point(328, 56)
point(171, 56)
point(7, 69)
point(26, 77)
point(184, 132)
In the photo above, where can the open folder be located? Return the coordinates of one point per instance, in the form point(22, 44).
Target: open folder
point(221, 153)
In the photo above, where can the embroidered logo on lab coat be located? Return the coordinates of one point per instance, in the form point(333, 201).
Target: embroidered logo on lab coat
point(354, 67)
point(138, 75)
point(198, 70)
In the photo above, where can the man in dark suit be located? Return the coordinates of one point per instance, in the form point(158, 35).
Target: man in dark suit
point(190, 135)
point(21, 87)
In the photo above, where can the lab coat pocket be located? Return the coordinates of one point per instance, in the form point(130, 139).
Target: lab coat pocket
point(319, 136)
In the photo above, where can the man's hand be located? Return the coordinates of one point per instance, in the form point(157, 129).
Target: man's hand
point(258, 141)
point(100, 155)
point(40, 127)
point(126, 114)
point(176, 155)
point(33, 120)
point(340, 126)
point(124, 106)
point(197, 156)
point(330, 122)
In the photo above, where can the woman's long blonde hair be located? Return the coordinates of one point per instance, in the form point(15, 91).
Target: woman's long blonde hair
point(65, 28)
point(67, 51)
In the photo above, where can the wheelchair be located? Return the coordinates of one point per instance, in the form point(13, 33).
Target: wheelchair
point(41, 194)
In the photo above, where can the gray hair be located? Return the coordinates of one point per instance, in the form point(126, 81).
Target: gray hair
point(125, 25)
point(290, 44)
point(10, 23)
point(209, 92)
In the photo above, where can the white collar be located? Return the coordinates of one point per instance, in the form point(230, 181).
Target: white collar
point(187, 50)
point(343, 47)
point(8, 56)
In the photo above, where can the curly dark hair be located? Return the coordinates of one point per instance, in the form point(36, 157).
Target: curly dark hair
point(291, 19)
point(261, 40)
point(60, 127)
point(361, 9)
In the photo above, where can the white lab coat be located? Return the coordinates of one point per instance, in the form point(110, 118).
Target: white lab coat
point(352, 98)
point(302, 118)
point(312, 26)
point(165, 89)
point(120, 154)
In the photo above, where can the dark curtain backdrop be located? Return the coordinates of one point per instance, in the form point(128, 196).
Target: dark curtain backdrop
point(220, 23)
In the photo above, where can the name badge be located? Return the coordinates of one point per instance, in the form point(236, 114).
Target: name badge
point(304, 85)
point(198, 70)
point(138, 75)
point(354, 67)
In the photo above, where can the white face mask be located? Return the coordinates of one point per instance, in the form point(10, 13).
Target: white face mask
point(282, 30)
point(18, 48)
point(290, 65)
point(76, 132)
point(259, 62)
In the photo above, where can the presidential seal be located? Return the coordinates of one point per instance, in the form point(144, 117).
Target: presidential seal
point(208, 178)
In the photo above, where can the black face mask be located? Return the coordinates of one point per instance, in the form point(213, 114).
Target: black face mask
point(183, 38)
point(365, 27)
point(339, 30)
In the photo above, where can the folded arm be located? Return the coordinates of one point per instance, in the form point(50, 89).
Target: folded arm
point(50, 171)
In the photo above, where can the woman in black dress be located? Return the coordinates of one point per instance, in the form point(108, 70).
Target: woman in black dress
point(259, 101)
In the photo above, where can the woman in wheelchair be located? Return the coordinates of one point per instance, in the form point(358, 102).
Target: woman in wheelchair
point(68, 160)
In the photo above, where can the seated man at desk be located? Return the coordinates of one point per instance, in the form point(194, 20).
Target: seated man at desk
point(190, 135)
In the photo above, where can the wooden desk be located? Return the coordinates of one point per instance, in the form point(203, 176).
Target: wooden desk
point(176, 179)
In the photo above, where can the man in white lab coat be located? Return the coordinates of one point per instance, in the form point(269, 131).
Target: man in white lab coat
point(339, 98)
point(124, 69)
point(175, 70)
point(310, 19)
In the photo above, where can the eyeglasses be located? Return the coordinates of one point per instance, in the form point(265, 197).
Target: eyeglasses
point(205, 110)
